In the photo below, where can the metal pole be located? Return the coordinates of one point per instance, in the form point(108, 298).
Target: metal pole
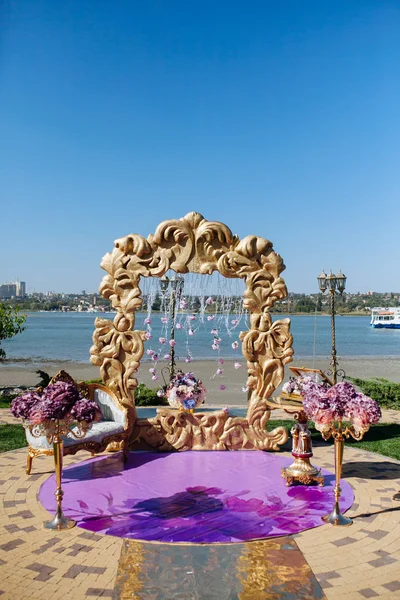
point(172, 332)
point(60, 521)
point(334, 359)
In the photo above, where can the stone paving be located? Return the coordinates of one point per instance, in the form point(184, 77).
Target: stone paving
point(360, 561)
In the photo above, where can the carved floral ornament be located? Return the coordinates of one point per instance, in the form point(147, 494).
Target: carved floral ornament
point(193, 244)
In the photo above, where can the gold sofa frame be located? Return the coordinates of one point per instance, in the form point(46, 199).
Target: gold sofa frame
point(111, 443)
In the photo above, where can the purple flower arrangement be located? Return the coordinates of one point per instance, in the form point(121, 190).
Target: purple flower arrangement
point(341, 402)
point(59, 401)
point(185, 391)
point(295, 384)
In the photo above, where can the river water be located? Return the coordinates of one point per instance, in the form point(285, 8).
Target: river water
point(68, 336)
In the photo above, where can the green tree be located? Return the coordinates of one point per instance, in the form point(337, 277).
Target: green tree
point(11, 323)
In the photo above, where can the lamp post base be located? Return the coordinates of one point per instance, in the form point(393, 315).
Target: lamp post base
point(59, 522)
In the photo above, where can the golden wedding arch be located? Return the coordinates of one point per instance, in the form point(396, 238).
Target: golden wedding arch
point(194, 245)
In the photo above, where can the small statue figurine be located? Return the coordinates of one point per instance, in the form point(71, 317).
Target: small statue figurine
point(301, 470)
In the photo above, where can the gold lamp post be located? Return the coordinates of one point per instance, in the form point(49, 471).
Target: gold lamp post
point(332, 283)
point(176, 286)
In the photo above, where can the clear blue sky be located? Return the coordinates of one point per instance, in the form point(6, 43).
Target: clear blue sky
point(280, 118)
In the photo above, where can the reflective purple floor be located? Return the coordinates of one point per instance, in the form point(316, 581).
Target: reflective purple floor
point(198, 497)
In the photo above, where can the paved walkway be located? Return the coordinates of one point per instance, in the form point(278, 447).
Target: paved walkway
point(361, 561)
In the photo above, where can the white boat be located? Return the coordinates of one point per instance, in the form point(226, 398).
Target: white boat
point(389, 318)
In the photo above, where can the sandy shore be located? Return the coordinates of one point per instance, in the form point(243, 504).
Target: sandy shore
point(14, 374)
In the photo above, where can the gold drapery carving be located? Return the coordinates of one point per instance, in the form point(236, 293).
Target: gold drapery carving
point(193, 244)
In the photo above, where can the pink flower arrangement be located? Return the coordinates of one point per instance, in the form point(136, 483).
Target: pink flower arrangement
point(58, 401)
point(341, 402)
point(185, 391)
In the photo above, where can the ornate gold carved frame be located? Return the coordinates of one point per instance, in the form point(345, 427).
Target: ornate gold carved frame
point(193, 244)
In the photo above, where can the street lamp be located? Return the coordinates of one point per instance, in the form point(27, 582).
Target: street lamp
point(176, 285)
point(332, 283)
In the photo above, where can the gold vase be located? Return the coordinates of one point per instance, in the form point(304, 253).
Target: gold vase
point(60, 521)
point(336, 517)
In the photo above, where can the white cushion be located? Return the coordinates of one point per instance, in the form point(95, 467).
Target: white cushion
point(109, 410)
point(97, 433)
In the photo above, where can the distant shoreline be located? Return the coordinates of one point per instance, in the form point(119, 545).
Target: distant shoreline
point(273, 313)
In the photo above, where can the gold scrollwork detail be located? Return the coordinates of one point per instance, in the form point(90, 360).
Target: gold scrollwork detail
point(193, 244)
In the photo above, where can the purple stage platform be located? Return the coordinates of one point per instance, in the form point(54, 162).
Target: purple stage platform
point(197, 497)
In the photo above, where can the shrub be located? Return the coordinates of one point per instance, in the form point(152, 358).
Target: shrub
point(146, 396)
point(385, 392)
point(44, 378)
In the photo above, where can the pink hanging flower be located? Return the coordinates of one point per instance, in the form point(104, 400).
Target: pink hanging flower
point(178, 326)
point(164, 319)
point(234, 321)
point(245, 389)
point(183, 304)
point(162, 340)
point(214, 331)
point(152, 370)
point(160, 394)
point(188, 359)
point(154, 356)
point(150, 352)
point(221, 361)
point(172, 343)
point(226, 410)
point(210, 300)
point(235, 345)
point(215, 346)
point(220, 371)
point(191, 332)
point(148, 335)
point(167, 357)
point(192, 317)
point(222, 387)
point(147, 320)
point(210, 317)
point(155, 377)
point(237, 365)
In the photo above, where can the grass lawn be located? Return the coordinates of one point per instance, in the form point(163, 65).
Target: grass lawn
point(5, 401)
point(383, 438)
point(12, 437)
